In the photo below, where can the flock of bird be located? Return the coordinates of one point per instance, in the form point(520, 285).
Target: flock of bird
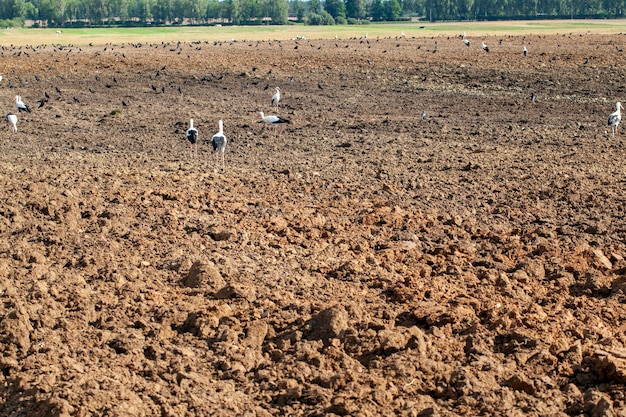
point(219, 141)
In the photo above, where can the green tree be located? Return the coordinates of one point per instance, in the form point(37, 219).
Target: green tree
point(232, 11)
point(298, 9)
point(393, 10)
point(163, 10)
point(323, 18)
point(31, 11)
point(251, 9)
point(355, 9)
point(377, 10)
point(315, 6)
point(51, 11)
point(278, 11)
point(336, 8)
point(144, 9)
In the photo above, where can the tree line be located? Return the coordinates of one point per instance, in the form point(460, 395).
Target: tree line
point(129, 12)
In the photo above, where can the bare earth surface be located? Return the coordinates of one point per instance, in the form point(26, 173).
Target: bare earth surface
point(365, 262)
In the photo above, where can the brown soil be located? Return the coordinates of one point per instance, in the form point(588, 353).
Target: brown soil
point(365, 262)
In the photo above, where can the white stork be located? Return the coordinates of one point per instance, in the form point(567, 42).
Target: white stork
point(218, 142)
point(525, 51)
point(12, 119)
point(192, 137)
point(615, 118)
point(273, 120)
point(276, 97)
point(465, 41)
point(20, 105)
point(485, 47)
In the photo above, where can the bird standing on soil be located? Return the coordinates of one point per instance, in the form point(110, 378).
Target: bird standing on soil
point(525, 51)
point(192, 137)
point(20, 105)
point(273, 120)
point(485, 47)
point(276, 97)
point(218, 142)
point(465, 41)
point(615, 118)
point(12, 119)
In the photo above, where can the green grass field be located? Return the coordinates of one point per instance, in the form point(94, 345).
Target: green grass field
point(99, 36)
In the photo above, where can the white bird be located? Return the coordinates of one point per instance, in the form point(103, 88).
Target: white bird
point(218, 142)
point(525, 51)
point(423, 114)
point(465, 41)
point(485, 47)
point(273, 120)
point(192, 137)
point(20, 105)
point(1, 78)
point(615, 118)
point(276, 97)
point(12, 119)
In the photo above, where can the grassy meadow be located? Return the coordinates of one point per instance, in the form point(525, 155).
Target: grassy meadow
point(100, 36)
